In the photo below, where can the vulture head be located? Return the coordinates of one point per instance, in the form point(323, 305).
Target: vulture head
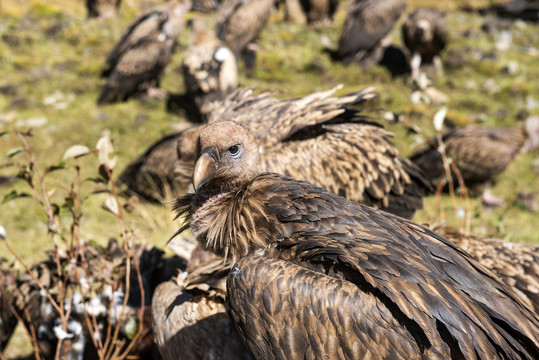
point(423, 30)
point(227, 158)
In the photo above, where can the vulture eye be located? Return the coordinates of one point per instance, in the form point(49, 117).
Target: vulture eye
point(235, 150)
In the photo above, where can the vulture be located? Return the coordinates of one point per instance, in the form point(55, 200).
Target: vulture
point(367, 23)
point(95, 280)
point(137, 62)
point(318, 276)
point(319, 11)
point(8, 320)
point(239, 22)
point(517, 265)
point(189, 315)
point(206, 6)
point(519, 9)
point(480, 152)
point(103, 8)
point(425, 35)
point(209, 69)
point(318, 138)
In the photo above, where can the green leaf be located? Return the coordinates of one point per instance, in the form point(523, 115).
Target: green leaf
point(14, 152)
point(61, 165)
point(14, 195)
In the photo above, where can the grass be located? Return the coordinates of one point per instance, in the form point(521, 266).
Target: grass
point(49, 47)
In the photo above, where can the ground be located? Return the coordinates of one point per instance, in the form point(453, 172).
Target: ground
point(51, 57)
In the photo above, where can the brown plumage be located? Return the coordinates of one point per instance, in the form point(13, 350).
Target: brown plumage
point(239, 22)
point(137, 62)
point(367, 23)
point(480, 152)
point(319, 276)
point(206, 6)
point(517, 265)
point(189, 314)
point(8, 320)
point(319, 11)
point(425, 34)
point(210, 70)
point(318, 138)
point(103, 8)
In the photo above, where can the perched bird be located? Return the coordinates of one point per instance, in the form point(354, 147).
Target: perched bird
point(318, 276)
point(318, 138)
point(206, 6)
point(137, 62)
point(517, 265)
point(189, 315)
point(8, 320)
point(367, 23)
point(103, 8)
point(239, 22)
point(480, 152)
point(425, 33)
point(94, 286)
point(319, 11)
point(210, 70)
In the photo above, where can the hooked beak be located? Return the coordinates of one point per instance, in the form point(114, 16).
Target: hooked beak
point(205, 166)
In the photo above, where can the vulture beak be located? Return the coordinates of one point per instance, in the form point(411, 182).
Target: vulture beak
point(205, 166)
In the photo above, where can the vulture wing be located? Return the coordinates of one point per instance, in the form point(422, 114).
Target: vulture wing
point(517, 265)
point(430, 287)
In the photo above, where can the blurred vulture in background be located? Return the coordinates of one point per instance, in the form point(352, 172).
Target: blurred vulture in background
point(367, 23)
point(239, 22)
point(519, 9)
point(103, 8)
point(319, 11)
point(319, 138)
point(8, 320)
point(206, 6)
point(480, 152)
point(517, 265)
point(425, 34)
point(189, 315)
point(137, 62)
point(209, 70)
point(319, 276)
point(96, 283)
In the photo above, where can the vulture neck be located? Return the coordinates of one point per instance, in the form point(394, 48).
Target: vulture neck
point(230, 223)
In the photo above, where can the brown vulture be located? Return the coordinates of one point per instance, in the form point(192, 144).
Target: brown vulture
point(517, 265)
point(425, 34)
point(137, 62)
point(319, 276)
point(8, 320)
point(367, 23)
point(319, 11)
point(210, 70)
point(480, 152)
point(239, 22)
point(189, 315)
point(103, 8)
point(318, 138)
point(206, 6)
point(95, 283)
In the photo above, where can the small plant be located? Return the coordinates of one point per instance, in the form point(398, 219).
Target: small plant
point(78, 301)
